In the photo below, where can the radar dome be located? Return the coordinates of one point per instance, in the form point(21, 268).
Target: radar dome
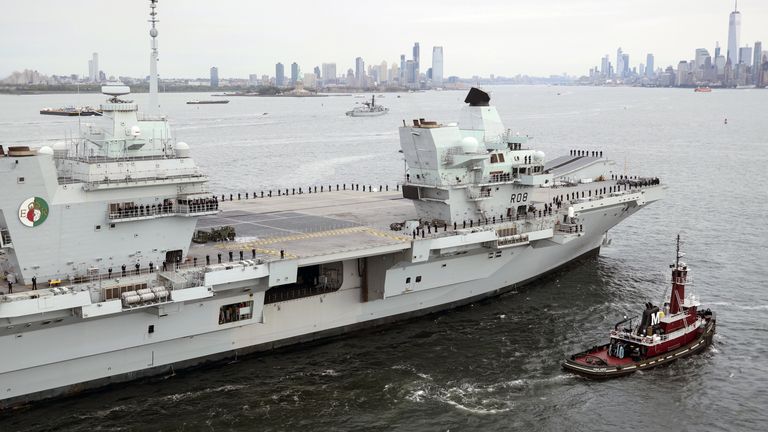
point(539, 156)
point(470, 144)
point(115, 89)
point(45, 150)
point(182, 150)
point(153, 32)
point(60, 149)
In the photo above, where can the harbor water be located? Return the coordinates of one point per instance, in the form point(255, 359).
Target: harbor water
point(493, 365)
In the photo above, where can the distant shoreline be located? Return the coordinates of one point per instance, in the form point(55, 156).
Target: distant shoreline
point(226, 91)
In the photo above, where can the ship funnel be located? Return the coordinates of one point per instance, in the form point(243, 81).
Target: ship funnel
point(477, 97)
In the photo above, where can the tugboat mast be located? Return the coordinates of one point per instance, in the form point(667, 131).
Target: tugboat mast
point(154, 104)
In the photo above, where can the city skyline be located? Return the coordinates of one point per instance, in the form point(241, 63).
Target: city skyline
point(737, 66)
point(239, 50)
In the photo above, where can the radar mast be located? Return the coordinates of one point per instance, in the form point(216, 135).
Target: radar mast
point(154, 104)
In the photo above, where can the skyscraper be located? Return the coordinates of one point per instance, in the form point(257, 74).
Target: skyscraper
point(734, 32)
point(619, 63)
point(416, 61)
point(757, 61)
point(437, 65)
point(279, 75)
point(402, 68)
point(745, 55)
point(649, 71)
point(604, 69)
point(214, 77)
point(383, 72)
point(625, 62)
point(360, 72)
point(93, 68)
point(317, 72)
point(329, 73)
point(294, 73)
point(410, 71)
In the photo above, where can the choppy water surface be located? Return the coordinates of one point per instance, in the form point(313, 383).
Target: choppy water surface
point(493, 365)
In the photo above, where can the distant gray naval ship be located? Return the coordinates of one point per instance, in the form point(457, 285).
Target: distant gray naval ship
point(96, 231)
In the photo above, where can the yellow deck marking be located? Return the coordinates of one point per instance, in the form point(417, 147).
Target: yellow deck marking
point(304, 236)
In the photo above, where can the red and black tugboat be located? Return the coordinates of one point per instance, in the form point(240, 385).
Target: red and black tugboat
point(663, 335)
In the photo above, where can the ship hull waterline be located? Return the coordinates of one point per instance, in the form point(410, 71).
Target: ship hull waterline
point(291, 342)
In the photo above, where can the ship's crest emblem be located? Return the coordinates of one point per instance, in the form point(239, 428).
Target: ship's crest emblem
point(33, 211)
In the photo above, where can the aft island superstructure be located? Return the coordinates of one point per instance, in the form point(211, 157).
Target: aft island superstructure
point(102, 225)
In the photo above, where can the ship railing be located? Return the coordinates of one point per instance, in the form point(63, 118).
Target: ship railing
point(688, 280)
point(568, 228)
point(499, 178)
point(105, 159)
point(148, 212)
point(647, 339)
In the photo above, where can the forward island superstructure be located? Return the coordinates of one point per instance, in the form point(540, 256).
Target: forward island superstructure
point(97, 233)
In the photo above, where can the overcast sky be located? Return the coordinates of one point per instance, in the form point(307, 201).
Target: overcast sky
point(482, 37)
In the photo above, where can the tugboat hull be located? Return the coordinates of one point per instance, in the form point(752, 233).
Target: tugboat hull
point(601, 370)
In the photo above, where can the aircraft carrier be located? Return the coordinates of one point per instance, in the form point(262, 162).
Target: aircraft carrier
point(107, 285)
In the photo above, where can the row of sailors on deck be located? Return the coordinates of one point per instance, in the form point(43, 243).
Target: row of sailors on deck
point(203, 204)
point(195, 205)
point(132, 210)
point(586, 153)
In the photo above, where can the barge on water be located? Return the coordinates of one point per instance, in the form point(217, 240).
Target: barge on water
point(71, 111)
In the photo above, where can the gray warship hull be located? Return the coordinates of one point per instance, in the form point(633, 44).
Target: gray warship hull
point(187, 333)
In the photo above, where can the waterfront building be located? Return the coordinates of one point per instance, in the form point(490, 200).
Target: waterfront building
point(402, 68)
point(360, 72)
point(416, 61)
point(734, 33)
point(720, 65)
point(214, 77)
point(410, 72)
point(394, 72)
point(619, 63)
point(626, 72)
point(253, 80)
point(649, 65)
point(383, 72)
point(329, 73)
point(310, 80)
point(279, 75)
point(350, 81)
point(437, 66)
point(699, 59)
point(757, 61)
point(294, 73)
point(745, 56)
point(93, 68)
point(605, 66)
point(683, 74)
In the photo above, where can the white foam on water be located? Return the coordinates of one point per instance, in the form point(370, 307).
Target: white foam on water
point(193, 394)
